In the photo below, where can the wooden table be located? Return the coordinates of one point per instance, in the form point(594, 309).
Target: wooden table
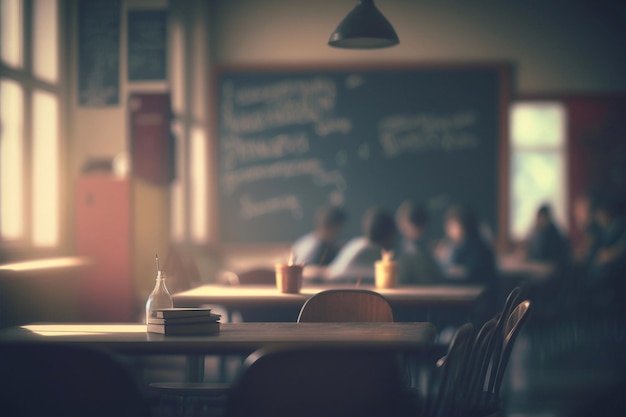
point(266, 303)
point(269, 296)
point(234, 338)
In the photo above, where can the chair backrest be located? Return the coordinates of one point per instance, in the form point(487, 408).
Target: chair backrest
point(481, 357)
point(453, 374)
point(255, 276)
point(285, 382)
point(41, 379)
point(513, 325)
point(346, 305)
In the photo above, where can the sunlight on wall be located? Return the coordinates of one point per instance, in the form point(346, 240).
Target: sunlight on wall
point(11, 161)
point(45, 169)
point(198, 186)
point(45, 45)
point(177, 190)
point(10, 32)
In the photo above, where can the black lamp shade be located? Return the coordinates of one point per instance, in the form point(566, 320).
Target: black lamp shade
point(364, 27)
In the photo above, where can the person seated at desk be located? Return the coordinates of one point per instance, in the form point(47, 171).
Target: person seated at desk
point(356, 259)
point(320, 246)
point(464, 255)
point(545, 243)
point(605, 286)
point(416, 264)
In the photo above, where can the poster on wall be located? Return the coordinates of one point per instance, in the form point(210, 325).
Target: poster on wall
point(147, 45)
point(151, 142)
point(99, 53)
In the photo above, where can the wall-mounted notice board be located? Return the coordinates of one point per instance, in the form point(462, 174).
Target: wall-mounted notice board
point(99, 52)
point(147, 45)
point(293, 139)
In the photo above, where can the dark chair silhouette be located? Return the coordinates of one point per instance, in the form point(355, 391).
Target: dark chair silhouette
point(281, 382)
point(346, 305)
point(57, 380)
point(445, 402)
point(477, 392)
point(484, 396)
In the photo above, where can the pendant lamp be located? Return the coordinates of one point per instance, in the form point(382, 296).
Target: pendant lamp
point(364, 27)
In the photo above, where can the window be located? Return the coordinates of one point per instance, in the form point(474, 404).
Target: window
point(538, 171)
point(30, 114)
point(189, 196)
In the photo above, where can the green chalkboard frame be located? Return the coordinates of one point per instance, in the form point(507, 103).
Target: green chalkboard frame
point(499, 73)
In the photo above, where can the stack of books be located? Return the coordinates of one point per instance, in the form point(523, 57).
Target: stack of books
point(184, 321)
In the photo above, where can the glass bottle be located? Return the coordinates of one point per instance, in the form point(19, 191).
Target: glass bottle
point(160, 296)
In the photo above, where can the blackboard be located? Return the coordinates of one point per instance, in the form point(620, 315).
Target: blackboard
point(147, 40)
point(291, 140)
point(99, 52)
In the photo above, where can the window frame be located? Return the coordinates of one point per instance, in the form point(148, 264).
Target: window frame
point(561, 150)
point(24, 247)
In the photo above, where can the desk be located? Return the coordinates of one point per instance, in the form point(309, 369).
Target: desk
point(266, 303)
point(268, 296)
point(240, 338)
point(234, 338)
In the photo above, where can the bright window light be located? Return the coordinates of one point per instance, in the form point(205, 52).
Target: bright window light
point(11, 160)
point(538, 171)
point(198, 185)
point(45, 40)
point(11, 32)
point(45, 168)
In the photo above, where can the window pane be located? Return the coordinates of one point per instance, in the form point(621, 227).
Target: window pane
point(198, 185)
point(11, 32)
point(45, 170)
point(11, 160)
point(45, 39)
point(537, 124)
point(537, 178)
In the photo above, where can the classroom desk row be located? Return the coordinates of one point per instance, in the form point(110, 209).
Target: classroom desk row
point(266, 303)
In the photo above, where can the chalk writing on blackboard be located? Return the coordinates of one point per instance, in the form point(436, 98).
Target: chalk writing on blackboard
point(288, 103)
point(294, 139)
point(98, 52)
point(147, 41)
point(427, 132)
point(311, 167)
point(237, 150)
point(251, 208)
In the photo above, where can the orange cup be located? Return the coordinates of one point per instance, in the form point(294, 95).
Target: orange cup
point(289, 278)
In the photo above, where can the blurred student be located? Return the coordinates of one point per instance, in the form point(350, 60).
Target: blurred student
point(320, 246)
point(356, 259)
point(545, 243)
point(605, 287)
point(464, 254)
point(416, 263)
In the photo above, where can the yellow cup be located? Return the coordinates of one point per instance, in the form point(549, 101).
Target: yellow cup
point(289, 278)
point(386, 274)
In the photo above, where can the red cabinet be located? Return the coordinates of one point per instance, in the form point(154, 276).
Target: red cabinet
point(103, 233)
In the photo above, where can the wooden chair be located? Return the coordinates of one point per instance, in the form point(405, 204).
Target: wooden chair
point(485, 399)
point(453, 379)
point(346, 305)
point(254, 276)
point(281, 382)
point(45, 379)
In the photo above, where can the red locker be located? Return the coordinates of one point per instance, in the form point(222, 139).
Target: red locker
point(103, 233)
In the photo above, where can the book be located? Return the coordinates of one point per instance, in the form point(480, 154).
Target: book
point(212, 318)
point(167, 313)
point(184, 329)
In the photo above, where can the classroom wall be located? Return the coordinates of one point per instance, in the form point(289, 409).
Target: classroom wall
point(556, 47)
